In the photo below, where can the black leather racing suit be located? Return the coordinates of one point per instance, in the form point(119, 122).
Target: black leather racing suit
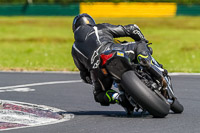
point(91, 40)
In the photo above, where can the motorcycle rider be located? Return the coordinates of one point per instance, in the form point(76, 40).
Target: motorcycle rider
point(91, 40)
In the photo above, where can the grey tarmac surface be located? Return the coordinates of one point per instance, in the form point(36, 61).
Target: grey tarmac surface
point(90, 117)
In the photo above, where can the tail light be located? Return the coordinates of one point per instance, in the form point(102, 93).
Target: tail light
point(105, 58)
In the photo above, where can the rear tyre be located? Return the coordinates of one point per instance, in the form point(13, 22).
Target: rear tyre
point(176, 107)
point(149, 100)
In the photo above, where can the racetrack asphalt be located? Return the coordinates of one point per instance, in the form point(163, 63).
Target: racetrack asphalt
point(90, 117)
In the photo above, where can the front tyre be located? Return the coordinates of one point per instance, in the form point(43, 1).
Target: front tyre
point(176, 107)
point(148, 99)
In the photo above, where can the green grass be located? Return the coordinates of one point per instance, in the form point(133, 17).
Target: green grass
point(44, 43)
point(36, 43)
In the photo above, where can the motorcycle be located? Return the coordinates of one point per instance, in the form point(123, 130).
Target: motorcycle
point(142, 89)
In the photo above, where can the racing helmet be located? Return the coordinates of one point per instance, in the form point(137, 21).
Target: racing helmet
point(82, 19)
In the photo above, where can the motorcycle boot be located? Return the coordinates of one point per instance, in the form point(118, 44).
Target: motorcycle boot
point(144, 59)
point(123, 101)
point(115, 97)
point(112, 96)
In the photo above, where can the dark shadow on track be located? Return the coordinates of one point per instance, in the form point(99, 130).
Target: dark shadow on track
point(121, 114)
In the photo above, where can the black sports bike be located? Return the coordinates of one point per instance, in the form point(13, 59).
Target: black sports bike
point(142, 89)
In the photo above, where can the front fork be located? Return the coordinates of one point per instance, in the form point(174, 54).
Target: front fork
point(168, 87)
point(170, 91)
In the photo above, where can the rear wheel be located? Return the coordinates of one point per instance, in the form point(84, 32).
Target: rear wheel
point(148, 99)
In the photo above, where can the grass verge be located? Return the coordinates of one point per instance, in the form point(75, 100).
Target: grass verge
point(44, 43)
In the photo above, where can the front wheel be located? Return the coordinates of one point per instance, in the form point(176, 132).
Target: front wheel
point(176, 107)
point(148, 99)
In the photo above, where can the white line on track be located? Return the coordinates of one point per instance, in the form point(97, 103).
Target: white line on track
point(38, 84)
point(76, 81)
point(184, 74)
